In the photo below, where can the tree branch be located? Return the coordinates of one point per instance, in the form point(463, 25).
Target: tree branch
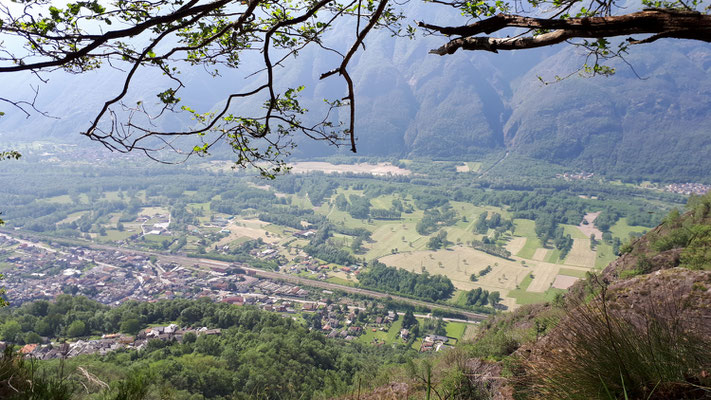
point(661, 23)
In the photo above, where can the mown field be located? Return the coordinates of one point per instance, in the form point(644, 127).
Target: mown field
point(395, 242)
point(526, 277)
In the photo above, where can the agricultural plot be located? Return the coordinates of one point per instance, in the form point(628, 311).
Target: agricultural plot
point(543, 276)
point(575, 232)
point(529, 249)
point(72, 217)
point(158, 238)
point(563, 281)
point(113, 196)
point(113, 235)
point(302, 202)
point(337, 216)
point(604, 255)
point(577, 273)
point(622, 230)
point(362, 168)
point(515, 245)
point(553, 256)
point(527, 229)
point(251, 229)
point(474, 166)
point(150, 211)
point(470, 333)
point(63, 199)
point(458, 263)
point(398, 235)
point(540, 254)
point(458, 235)
point(581, 255)
point(522, 296)
point(471, 211)
point(382, 201)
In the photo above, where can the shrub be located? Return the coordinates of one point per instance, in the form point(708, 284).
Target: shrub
point(604, 350)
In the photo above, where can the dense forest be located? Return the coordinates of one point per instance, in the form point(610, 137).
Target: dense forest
point(393, 280)
point(258, 354)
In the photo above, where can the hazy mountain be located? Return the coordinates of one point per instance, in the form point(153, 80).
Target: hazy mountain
point(409, 103)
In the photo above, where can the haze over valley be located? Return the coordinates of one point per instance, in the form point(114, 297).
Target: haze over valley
point(183, 215)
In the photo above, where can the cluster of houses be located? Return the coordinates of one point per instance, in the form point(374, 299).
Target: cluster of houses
point(434, 343)
point(338, 324)
point(309, 263)
point(113, 277)
point(577, 176)
point(688, 188)
point(159, 224)
point(270, 287)
point(110, 342)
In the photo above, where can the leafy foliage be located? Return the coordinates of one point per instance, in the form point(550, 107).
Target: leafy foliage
point(258, 353)
point(393, 280)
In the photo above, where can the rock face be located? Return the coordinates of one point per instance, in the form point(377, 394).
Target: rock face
point(658, 319)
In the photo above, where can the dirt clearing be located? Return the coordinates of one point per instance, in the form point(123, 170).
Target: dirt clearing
point(564, 281)
point(328, 168)
point(589, 228)
point(250, 228)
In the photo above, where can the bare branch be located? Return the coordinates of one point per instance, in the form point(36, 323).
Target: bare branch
point(663, 23)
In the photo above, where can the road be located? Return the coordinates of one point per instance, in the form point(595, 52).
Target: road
point(494, 165)
point(466, 321)
point(335, 286)
point(188, 261)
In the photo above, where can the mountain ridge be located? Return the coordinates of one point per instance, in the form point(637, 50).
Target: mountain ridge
point(646, 121)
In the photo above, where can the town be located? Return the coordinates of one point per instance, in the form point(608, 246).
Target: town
point(113, 277)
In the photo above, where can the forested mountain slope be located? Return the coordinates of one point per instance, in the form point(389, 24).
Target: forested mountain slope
point(648, 120)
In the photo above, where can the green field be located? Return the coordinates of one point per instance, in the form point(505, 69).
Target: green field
point(553, 256)
point(341, 217)
point(456, 330)
point(622, 230)
point(474, 166)
point(72, 217)
point(389, 336)
point(158, 238)
point(113, 235)
point(66, 199)
point(529, 249)
point(527, 229)
point(572, 272)
point(459, 298)
point(302, 202)
point(604, 255)
point(394, 235)
point(340, 281)
point(384, 202)
point(113, 196)
point(574, 232)
point(522, 296)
